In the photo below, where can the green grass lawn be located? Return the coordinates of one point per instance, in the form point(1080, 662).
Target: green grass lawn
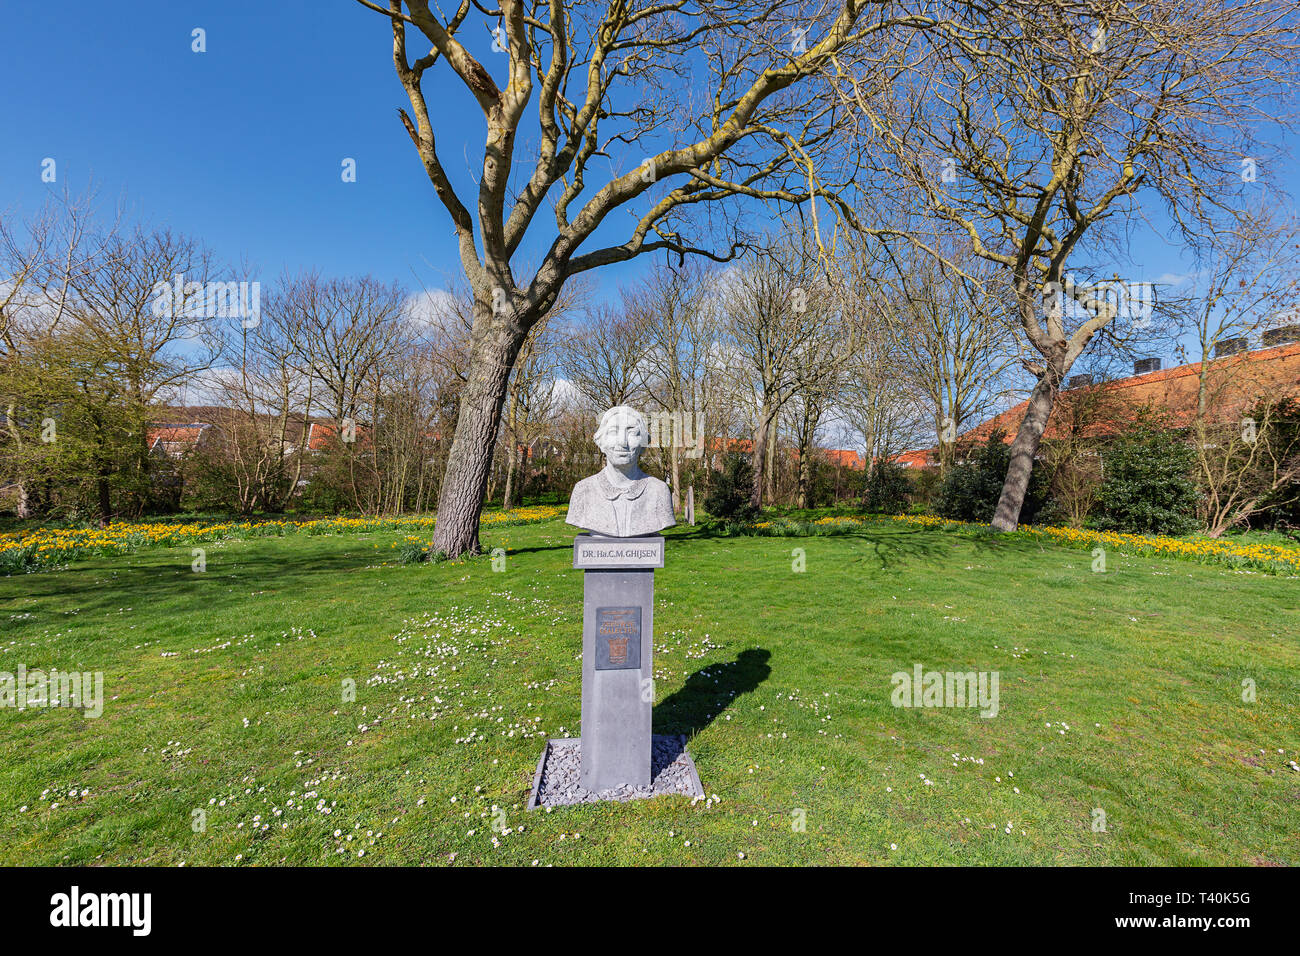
point(224, 692)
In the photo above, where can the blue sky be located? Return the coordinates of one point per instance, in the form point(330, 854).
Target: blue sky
point(242, 145)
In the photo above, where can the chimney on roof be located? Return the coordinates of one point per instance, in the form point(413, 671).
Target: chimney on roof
point(1142, 366)
point(1229, 346)
point(1078, 381)
point(1287, 333)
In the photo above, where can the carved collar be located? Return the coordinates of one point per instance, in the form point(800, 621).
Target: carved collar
point(610, 493)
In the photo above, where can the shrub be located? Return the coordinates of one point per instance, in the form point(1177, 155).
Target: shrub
point(970, 490)
point(729, 497)
point(1073, 467)
point(1147, 485)
point(887, 489)
point(923, 487)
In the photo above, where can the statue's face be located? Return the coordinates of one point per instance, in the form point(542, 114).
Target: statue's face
point(622, 438)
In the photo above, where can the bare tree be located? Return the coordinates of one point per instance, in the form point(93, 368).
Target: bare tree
point(268, 401)
point(1032, 126)
point(607, 82)
point(147, 303)
point(1245, 447)
point(39, 258)
point(1249, 466)
point(879, 400)
point(531, 401)
point(679, 312)
point(603, 357)
point(947, 332)
point(787, 328)
point(343, 330)
point(1248, 275)
point(388, 466)
point(1085, 419)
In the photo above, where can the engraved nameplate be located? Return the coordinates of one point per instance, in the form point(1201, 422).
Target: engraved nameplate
point(618, 638)
point(596, 551)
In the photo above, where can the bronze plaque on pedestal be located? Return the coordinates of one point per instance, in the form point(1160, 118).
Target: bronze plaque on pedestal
point(618, 638)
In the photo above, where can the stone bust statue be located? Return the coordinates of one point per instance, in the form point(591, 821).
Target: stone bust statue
point(621, 500)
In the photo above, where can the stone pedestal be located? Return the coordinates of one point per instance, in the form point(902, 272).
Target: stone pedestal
point(617, 657)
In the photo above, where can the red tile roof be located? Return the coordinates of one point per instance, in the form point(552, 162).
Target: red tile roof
point(175, 440)
point(323, 434)
point(1272, 371)
point(918, 458)
point(175, 433)
point(844, 457)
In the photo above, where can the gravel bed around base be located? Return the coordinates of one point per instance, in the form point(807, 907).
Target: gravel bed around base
point(673, 772)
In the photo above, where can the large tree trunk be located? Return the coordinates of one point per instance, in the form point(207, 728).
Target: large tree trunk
point(24, 506)
point(1023, 450)
point(469, 463)
point(512, 444)
point(510, 476)
point(806, 433)
point(805, 471)
point(947, 449)
point(770, 465)
point(145, 493)
point(759, 455)
point(674, 458)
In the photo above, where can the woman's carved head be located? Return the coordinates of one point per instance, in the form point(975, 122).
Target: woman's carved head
point(622, 435)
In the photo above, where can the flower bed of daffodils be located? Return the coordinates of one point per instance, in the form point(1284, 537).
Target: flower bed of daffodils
point(1272, 558)
point(43, 548)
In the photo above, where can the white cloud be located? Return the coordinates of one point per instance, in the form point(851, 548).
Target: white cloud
point(432, 307)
